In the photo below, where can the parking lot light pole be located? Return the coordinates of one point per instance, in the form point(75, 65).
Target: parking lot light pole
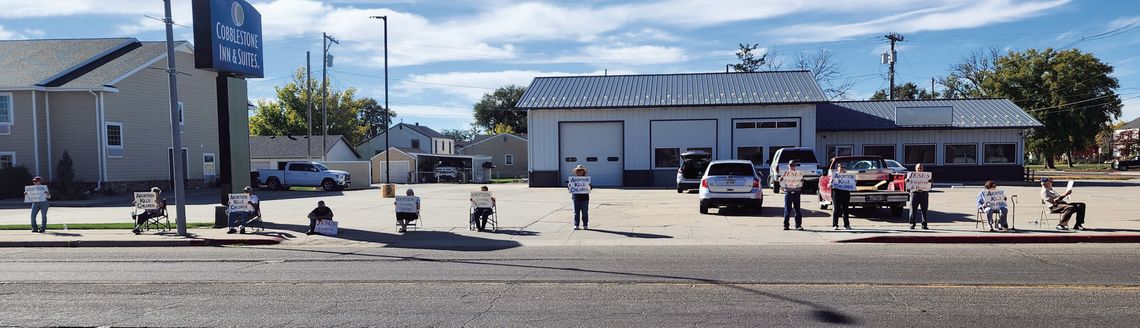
point(387, 163)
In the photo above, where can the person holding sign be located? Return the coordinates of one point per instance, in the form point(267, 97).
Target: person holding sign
point(320, 213)
point(149, 213)
point(1057, 203)
point(579, 186)
point(242, 210)
point(483, 209)
point(38, 194)
point(792, 181)
point(918, 183)
point(990, 201)
point(407, 209)
point(841, 199)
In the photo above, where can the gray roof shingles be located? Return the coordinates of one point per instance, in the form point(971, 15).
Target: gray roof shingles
point(288, 146)
point(880, 115)
point(671, 90)
point(108, 72)
point(26, 63)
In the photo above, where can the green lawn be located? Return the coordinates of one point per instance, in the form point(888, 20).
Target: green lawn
point(96, 226)
point(1075, 168)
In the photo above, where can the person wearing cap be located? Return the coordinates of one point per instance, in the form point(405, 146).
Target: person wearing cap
point(792, 201)
point(41, 207)
point(322, 212)
point(402, 218)
point(919, 203)
point(1057, 203)
point(581, 201)
point(141, 218)
point(243, 216)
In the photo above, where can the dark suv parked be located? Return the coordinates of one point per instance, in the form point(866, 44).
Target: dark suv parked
point(692, 168)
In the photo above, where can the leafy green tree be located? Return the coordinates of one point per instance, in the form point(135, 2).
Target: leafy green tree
point(1071, 92)
point(458, 134)
point(12, 181)
point(355, 118)
point(906, 91)
point(749, 62)
point(499, 107)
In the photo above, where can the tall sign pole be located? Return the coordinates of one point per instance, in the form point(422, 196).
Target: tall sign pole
point(175, 129)
point(387, 115)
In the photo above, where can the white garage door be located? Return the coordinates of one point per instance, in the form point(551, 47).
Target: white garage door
point(597, 146)
point(400, 171)
point(758, 139)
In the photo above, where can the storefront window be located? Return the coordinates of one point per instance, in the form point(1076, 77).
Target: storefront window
point(914, 154)
point(666, 157)
point(754, 154)
point(884, 151)
point(839, 150)
point(1001, 154)
point(961, 154)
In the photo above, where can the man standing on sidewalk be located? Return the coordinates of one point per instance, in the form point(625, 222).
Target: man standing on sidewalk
point(792, 200)
point(919, 203)
point(40, 206)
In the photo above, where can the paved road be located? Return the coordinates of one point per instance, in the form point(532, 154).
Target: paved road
point(808, 285)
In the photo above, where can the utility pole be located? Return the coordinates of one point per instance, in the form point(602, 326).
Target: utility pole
point(893, 37)
point(387, 155)
point(932, 88)
point(175, 130)
point(309, 100)
point(325, 95)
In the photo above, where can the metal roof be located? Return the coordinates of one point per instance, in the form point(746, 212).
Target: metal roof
point(291, 146)
point(1134, 124)
point(880, 115)
point(671, 90)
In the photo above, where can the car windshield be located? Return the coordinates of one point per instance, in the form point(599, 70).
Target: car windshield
point(894, 164)
point(320, 167)
point(862, 164)
point(800, 155)
point(732, 169)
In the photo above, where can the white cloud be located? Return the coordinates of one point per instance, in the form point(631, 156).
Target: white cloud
point(620, 54)
point(948, 17)
point(409, 112)
point(6, 34)
point(1131, 109)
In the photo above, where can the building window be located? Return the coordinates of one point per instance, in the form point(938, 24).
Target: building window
point(754, 154)
point(114, 139)
point(666, 157)
point(6, 114)
point(415, 143)
point(7, 159)
point(884, 151)
point(1001, 153)
point(571, 159)
point(746, 125)
point(786, 124)
point(914, 154)
point(765, 125)
point(707, 150)
point(509, 159)
point(961, 154)
point(839, 150)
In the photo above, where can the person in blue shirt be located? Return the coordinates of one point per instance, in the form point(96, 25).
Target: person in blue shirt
point(990, 209)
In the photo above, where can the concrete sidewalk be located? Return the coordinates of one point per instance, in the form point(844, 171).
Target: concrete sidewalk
point(124, 238)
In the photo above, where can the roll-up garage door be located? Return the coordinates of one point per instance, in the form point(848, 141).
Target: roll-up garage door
point(596, 145)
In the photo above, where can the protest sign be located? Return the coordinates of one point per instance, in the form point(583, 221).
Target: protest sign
point(406, 204)
point(1069, 187)
point(146, 200)
point(918, 181)
point(792, 180)
point(579, 185)
point(240, 203)
point(35, 193)
point(995, 198)
point(326, 227)
point(482, 199)
point(843, 181)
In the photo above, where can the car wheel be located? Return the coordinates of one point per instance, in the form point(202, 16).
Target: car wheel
point(680, 190)
point(759, 207)
point(328, 185)
point(704, 209)
point(1124, 167)
point(273, 184)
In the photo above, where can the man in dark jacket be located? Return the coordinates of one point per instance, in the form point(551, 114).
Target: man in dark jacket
point(322, 212)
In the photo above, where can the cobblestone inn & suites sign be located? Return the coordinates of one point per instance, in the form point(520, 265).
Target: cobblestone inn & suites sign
point(227, 38)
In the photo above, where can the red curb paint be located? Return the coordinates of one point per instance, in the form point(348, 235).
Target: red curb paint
point(1032, 239)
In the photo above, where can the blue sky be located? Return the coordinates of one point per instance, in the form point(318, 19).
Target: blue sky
point(445, 54)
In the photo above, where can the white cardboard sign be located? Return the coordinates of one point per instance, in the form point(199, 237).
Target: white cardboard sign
point(240, 203)
point(995, 198)
point(482, 199)
point(35, 193)
point(919, 181)
point(326, 227)
point(406, 204)
point(579, 185)
point(1069, 187)
point(792, 180)
point(843, 181)
point(146, 200)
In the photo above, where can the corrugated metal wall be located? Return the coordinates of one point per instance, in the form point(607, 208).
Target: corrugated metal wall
point(939, 137)
point(542, 129)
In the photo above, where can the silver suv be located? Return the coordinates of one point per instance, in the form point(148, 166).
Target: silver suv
point(731, 183)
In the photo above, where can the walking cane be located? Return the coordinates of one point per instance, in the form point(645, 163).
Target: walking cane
point(1013, 224)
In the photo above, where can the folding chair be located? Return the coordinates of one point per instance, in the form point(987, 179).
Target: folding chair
point(1043, 216)
point(415, 224)
point(492, 220)
point(161, 221)
point(255, 222)
point(979, 223)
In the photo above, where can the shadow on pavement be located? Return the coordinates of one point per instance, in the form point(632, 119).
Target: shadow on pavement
point(62, 234)
point(414, 239)
point(515, 232)
point(632, 234)
point(884, 215)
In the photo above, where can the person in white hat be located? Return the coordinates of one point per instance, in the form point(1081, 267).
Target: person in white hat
point(581, 201)
point(141, 218)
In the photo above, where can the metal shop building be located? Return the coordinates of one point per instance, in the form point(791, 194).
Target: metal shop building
point(629, 130)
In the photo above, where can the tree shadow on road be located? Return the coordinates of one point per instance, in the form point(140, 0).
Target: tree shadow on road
point(415, 239)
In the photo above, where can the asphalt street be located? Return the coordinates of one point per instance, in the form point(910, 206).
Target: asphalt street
point(776, 285)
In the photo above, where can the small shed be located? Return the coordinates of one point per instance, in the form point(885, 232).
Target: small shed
point(411, 165)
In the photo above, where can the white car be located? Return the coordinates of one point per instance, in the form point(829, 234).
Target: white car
point(895, 167)
point(731, 183)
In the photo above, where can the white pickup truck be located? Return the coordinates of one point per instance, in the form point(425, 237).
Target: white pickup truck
point(304, 174)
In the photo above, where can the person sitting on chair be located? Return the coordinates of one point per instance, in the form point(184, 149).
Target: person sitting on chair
point(483, 213)
point(244, 216)
point(1057, 204)
point(141, 218)
point(322, 212)
point(403, 219)
point(1001, 224)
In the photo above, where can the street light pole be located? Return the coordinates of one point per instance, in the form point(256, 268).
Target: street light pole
point(309, 101)
point(325, 94)
point(387, 163)
point(175, 129)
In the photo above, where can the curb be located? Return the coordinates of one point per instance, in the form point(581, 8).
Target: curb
point(142, 243)
point(1032, 239)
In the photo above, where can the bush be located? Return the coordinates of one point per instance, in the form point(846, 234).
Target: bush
point(12, 181)
point(64, 187)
